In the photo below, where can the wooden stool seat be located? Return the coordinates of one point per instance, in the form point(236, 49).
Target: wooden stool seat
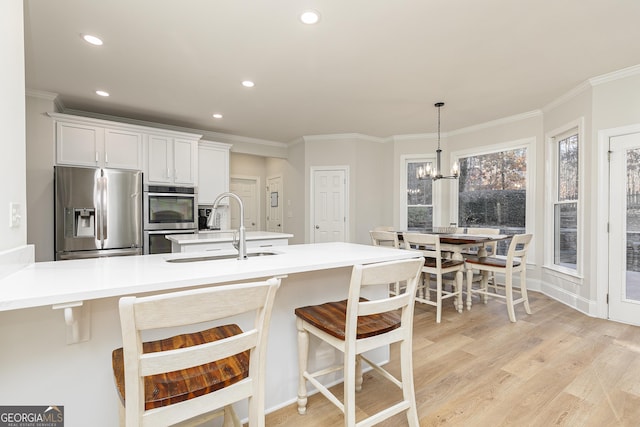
point(491, 261)
point(445, 262)
point(331, 317)
point(177, 386)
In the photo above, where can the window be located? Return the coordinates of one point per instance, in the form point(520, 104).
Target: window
point(419, 197)
point(492, 191)
point(565, 157)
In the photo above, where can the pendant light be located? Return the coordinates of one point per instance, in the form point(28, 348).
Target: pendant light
point(434, 174)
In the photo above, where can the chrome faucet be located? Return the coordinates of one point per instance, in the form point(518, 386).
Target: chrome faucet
point(241, 244)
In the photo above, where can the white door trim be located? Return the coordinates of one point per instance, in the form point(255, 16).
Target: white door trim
point(602, 234)
point(312, 171)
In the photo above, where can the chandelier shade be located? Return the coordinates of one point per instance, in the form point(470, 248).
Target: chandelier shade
point(426, 171)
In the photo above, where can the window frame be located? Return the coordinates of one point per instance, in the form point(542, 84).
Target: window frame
point(405, 159)
point(529, 145)
point(551, 197)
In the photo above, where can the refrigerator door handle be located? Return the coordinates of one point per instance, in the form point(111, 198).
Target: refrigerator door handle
point(105, 198)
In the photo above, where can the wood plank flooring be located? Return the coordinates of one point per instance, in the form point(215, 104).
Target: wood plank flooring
point(556, 367)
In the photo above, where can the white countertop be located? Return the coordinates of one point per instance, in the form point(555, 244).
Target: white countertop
point(57, 282)
point(223, 236)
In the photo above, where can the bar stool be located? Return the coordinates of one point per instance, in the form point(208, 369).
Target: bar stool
point(384, 238)
point(515, 262)
point(436, 266)
point(357, 325)
point(193, 377)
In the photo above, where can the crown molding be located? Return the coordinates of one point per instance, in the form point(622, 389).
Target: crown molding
point(615, 75)
point(497, 122)
point(47, 96)
point(567, 96)
point(343, 136)
point(205, 134)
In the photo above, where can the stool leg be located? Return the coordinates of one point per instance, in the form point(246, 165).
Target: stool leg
point(523, 289)
point(408, 391)
point(508, 290)
point(350, 361)
point(469, 287)
point(303, 354)
point(459, 290)
point(358, 381)
point(438, 298)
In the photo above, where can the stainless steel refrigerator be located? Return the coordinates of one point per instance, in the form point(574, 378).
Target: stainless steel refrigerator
point(98, 212)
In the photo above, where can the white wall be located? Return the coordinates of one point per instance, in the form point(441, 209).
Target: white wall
point(12, 123)
point(370, 179)
point(40, 161)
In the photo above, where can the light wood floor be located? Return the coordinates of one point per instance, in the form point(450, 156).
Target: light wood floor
point(556, 367)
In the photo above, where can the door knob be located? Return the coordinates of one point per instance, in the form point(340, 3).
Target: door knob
point(317, 227)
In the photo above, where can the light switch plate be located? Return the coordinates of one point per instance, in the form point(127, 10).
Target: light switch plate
point(14, 214)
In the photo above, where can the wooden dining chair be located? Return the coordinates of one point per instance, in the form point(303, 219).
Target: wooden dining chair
point(195, 376)
point(514, 262)
point(384, 228)
point(357, 325)
point(384, 238)
point(387, 238)
point(434, 268)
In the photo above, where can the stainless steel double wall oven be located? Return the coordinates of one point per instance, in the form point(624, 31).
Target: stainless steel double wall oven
point(168, 210)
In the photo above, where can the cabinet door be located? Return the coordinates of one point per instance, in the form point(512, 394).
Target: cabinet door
point(213, 173)
point(122, 149)
point(79, 145)
point(159, 161)
point(185, 156)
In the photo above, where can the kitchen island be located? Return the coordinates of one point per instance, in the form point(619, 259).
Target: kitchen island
point(223, 240)
point(38, 367)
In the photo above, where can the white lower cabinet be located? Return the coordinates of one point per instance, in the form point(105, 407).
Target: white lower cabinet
point(227, 245)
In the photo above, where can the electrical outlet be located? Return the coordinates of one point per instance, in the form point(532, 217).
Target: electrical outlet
point(14, 214)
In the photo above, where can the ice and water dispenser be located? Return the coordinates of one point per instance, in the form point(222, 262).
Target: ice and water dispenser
point(80, 222)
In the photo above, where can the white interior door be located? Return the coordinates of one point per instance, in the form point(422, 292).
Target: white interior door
point(329, 205)
point(247, 190)
point(274, 204)
point(624, 229)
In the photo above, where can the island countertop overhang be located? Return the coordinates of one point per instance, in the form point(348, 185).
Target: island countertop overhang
point(61, 282)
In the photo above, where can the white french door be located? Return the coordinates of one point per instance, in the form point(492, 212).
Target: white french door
point(624, 228)
point(329, 192)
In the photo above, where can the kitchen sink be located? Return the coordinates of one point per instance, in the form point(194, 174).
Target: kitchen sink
point(219, 257)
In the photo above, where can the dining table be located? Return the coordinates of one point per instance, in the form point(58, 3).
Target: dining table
point(458, 243)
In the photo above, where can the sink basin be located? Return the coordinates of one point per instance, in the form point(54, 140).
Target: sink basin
point(219, 257)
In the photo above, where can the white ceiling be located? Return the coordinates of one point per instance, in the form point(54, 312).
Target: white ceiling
point(374, 67)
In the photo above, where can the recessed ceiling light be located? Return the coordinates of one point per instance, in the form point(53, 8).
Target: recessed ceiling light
point(310, 17)
point(217, 116)
point(248, 83)
point(102, 93)
point(92, 39)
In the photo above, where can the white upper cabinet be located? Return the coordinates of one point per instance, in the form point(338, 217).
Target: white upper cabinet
point(172, 160)
point(164, 156)
point(213, 171)
point(88, 142)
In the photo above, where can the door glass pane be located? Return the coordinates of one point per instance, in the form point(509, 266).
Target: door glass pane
point(419, 199)
point(565, 235)
point(633, 225)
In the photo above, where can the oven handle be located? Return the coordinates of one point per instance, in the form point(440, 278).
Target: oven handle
point(191, 196)
point(183, 231)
